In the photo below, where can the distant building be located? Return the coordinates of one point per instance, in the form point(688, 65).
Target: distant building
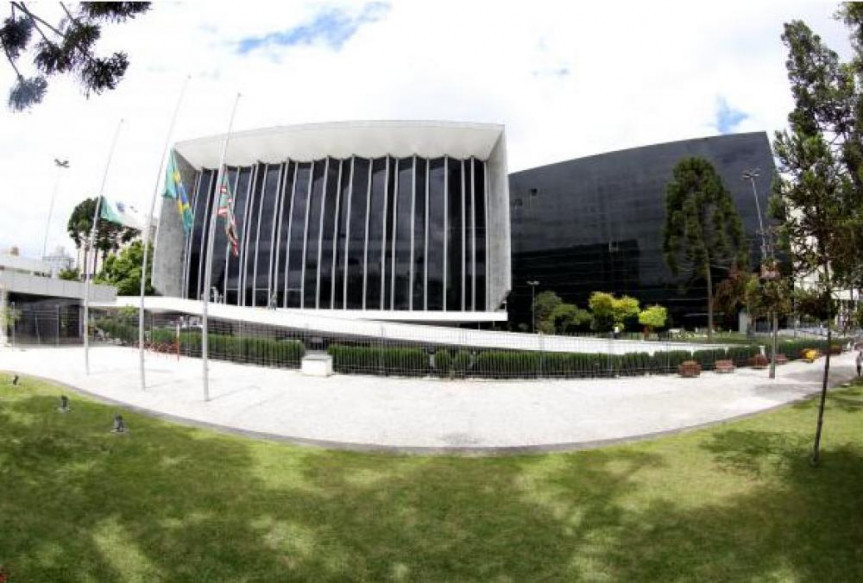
point(595, 223)
point(396, 220)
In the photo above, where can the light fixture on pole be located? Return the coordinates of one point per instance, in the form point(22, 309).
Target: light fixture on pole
point(768, 263)
point(533, 284)
point(60, 165)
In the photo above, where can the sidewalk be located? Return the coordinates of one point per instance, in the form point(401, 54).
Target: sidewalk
point(359, 412)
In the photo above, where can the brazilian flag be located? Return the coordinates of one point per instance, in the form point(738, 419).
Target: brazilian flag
point(174, 189)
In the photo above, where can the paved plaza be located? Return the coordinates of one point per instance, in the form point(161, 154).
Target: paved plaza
point(365, 412)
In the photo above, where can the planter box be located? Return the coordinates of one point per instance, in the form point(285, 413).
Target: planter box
point(689, 369)
point(781, 358)
point(724, 366)
point(317, 365)
point(759, 361)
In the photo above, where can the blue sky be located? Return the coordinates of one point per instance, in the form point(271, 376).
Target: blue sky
point(566, 79)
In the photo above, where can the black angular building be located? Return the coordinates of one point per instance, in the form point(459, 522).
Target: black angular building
point(595, 223)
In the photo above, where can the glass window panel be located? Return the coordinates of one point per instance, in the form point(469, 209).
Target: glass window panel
point(252, 246)
point(313, 230)
point(330, 204)
point(420, 204)
point(264, 239)
point(454, 235)
point(469, 228)
point(279, 276)
point(402, 253)
point(234, 263)
point(297, 234)
point(389, 234)
point(220, 240)
point(357, 235)
point(479, 201)
point(341, 235)
point(199, 233)
point(377, 223)
point(436, 234)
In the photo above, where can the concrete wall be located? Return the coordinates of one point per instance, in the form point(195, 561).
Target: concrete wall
point(499, 280)
point(169, 250)
point(24, 283)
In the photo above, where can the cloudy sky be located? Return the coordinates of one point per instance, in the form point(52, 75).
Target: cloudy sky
point(566, 80)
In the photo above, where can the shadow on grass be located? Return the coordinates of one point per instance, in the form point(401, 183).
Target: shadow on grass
point(173, 503)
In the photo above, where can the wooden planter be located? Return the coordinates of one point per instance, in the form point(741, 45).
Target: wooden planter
point(759, 361)
point(689, 369)
point(724, 366)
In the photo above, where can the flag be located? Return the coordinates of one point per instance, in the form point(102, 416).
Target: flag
point(226, 211)
point(121, 213)
point(174, 189)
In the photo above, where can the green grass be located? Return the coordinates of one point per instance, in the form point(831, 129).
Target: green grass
point(737, 502)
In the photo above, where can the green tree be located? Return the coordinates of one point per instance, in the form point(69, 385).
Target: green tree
point(819, 192)
point(65, 47)
point(653, 318)
point(601, 305)
point(569, 318)
point(730, 296)
point(69, 274)
point(624, 308)
point(543, 309)
point(109, 236)
point(703, 231)
point(123, 270)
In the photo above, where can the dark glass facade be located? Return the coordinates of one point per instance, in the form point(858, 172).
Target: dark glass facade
point(356, 233)
point(595, 224)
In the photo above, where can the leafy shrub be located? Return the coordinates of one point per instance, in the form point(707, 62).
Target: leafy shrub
point(707, 358)
point(443, 363)
point(461, 363)
point(740, 355)
point(668, 361)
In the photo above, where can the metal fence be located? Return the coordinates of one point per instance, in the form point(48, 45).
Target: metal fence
point(46, 326)
point(248, 343)
point(171, 335)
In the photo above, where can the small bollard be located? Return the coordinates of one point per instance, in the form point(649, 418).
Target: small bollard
point(64, 404)
point(119, 424)
point(15, 380)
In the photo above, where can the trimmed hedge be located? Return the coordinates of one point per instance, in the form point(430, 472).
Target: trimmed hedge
point(383, 361)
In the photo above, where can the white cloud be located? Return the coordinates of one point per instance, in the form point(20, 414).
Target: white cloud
point(637, 73)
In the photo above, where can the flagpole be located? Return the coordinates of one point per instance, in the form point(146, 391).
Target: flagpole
point(208, 270)
point(146, 233)
point(93, 249)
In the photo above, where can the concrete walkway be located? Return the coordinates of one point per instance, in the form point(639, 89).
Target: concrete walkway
point(424, 415)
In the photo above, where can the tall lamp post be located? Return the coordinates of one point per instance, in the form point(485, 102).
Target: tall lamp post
point(533, 284)
point(60, 165)
point(766, 255)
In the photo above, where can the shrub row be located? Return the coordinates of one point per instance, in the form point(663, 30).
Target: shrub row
point(447, 363)
point(268, 351)
point(374, 360)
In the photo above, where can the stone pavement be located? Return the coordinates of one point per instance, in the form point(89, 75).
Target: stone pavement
point(423, 415)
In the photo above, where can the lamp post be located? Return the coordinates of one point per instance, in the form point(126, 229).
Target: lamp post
point(60, 165)
point(533, 284)
point(766, 255)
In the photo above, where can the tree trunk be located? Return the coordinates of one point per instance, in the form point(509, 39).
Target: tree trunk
point(816, 452)
point(709, 303)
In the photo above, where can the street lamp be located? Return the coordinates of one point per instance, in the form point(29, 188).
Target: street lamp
point(766, 255)
point(60, 165)
point(533, 285)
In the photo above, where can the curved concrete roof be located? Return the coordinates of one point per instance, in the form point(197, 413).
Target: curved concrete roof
point(368, 139)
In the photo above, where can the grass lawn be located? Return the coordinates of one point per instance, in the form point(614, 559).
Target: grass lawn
point(171, 503)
